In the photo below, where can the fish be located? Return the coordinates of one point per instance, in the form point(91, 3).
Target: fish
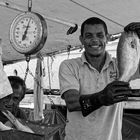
point(3, 127)
point(128, 55)
point(16, 122)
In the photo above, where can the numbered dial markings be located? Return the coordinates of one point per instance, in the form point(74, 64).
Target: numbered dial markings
point(27, 31)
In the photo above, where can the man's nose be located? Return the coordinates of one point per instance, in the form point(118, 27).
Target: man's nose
point(11, 102)
point(94, 41)
point(94, 38)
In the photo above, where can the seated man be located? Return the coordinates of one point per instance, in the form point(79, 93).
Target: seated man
point(11, 103)
point(19, 91)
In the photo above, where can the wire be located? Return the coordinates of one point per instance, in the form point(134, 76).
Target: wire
point(29, 5)
point(27, 69)
point(49, 76)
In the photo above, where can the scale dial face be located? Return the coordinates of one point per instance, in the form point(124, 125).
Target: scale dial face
point(27, 31)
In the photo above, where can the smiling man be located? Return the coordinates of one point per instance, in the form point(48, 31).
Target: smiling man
point(93, 96)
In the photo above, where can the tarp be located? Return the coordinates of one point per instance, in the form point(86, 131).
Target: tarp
point(5, 87)
point(131, 126)
point(19, 135)
point(60, 15)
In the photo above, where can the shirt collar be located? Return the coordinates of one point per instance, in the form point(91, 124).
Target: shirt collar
point(109, 59)
point(83, 58)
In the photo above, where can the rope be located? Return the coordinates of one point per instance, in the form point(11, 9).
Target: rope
point(52, 102)
point(28, 71)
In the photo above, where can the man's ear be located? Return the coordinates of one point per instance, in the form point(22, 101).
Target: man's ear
point(81, 39)
point(107, 38)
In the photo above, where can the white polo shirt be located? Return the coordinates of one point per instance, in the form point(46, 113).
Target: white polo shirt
point(106, 122)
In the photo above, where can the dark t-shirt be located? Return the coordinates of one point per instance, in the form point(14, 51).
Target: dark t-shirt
point(18, 113)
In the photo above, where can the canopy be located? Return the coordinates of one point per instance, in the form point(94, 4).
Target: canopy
point(60, 15)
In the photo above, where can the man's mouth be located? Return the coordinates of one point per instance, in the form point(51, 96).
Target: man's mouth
point(95, 46)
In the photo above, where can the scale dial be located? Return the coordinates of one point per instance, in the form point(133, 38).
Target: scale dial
point(28, 33)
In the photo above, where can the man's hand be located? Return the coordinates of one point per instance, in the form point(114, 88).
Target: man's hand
point(134, 27)
point(115, 92)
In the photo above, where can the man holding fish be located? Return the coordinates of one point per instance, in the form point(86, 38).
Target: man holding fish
point(95, 85)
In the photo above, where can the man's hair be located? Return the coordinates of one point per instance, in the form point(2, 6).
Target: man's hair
point(93, 21)
point(15, 82)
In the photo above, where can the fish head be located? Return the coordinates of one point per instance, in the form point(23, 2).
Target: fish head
point(128, 55)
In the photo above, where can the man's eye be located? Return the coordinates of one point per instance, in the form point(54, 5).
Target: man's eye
point(15, 98)
point(88, 36)
point(100, 36)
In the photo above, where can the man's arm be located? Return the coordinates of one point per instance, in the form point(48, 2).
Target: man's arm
point(72, 100)
point(69, 85)
point(114, 92)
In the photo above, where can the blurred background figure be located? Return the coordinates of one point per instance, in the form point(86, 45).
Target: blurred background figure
point(11, 102)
